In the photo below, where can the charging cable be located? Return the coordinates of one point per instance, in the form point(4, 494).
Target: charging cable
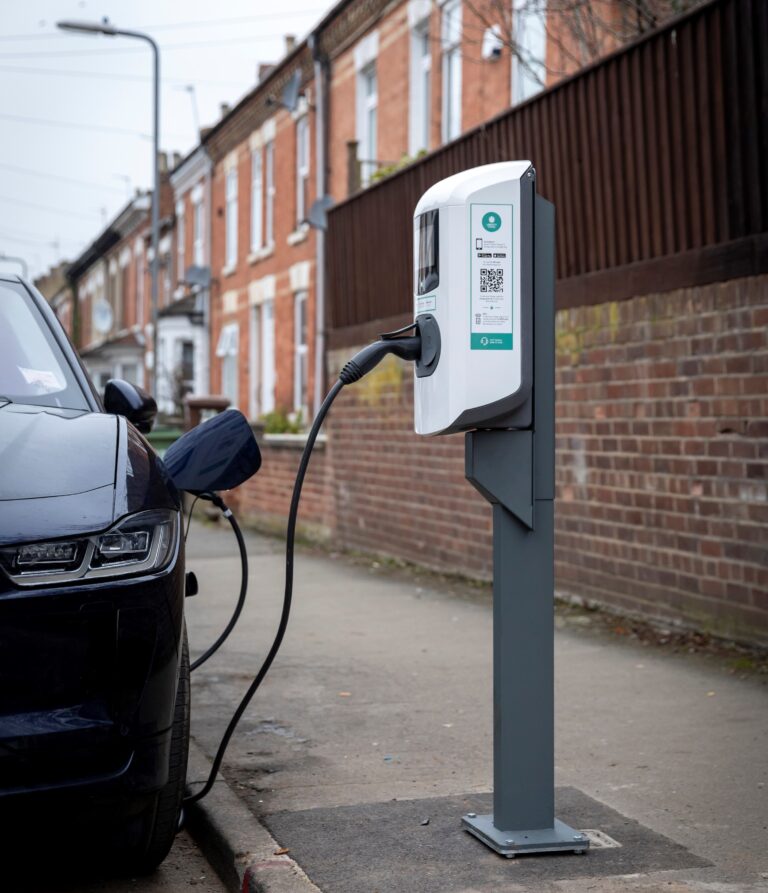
point(229, 515)
point(407, 348)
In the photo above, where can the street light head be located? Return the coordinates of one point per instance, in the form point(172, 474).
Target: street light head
point(88, 27)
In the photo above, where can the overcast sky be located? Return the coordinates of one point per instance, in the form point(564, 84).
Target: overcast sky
point(76, 115)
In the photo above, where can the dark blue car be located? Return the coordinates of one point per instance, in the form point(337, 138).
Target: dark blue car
point(94, 668)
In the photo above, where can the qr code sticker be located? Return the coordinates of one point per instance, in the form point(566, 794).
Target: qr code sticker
point(491, 280)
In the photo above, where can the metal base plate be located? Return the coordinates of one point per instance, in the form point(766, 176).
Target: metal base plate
point(561, 838)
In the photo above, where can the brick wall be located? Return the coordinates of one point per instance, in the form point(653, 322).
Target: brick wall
point(264, 501)
point(396, 493)
point(662, 463)
point(662, 455)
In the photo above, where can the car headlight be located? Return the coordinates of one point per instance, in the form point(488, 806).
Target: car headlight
point(140, 543)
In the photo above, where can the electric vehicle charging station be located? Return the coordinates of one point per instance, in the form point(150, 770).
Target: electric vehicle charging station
point(484, 306)
point(483, 351)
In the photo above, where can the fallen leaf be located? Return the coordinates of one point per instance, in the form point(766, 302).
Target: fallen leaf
point(282, 851)
point(345, 694)
point(710, 694)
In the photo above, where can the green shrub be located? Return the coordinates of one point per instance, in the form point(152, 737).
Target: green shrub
point(279, 422)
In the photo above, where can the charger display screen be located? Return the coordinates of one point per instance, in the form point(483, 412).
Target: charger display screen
point(427, 250)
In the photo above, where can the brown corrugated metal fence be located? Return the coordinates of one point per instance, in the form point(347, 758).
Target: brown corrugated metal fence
point(656, 159)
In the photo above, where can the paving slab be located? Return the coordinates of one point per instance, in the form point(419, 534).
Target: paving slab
point(418, 845)
point(382, 693)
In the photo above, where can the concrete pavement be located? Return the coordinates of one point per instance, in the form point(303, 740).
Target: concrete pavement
point(382, 694)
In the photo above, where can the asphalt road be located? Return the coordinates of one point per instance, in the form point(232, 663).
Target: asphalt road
point(43, 870)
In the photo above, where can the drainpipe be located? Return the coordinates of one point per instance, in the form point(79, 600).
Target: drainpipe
point(321, 71)
point(208, 199)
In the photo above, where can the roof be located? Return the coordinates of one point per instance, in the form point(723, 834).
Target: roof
point(186, 306)
point(342, 22)
point(124, 223)
point(129, 340)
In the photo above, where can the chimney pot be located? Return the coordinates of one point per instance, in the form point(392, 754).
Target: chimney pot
point(263, 70)
point(290, 43)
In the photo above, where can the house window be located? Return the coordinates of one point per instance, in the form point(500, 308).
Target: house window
point(257, 210)
point(226, 350)
point(187, 363)
point(116, 294)
point(301, 354)
point(198, 234)
point(269, 151)
point(421, 70)
point(529, 72)
point(451, 40)
point(231, 218)
point(368, 101)
point(130, 372)
point(180, 237)
point(302, 168)
point(140, 289)
point(267, 356)
point(165, 265)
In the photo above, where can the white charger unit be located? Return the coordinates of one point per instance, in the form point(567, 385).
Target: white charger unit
point(473, 286)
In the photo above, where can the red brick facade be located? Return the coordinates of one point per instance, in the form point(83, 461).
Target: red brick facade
point(662, 456)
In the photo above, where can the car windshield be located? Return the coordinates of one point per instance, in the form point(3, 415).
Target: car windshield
point(33, 368)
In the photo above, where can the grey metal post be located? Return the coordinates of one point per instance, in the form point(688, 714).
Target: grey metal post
point(155, 224)
point(104, 27)
point(514, 470)
point(17, 260)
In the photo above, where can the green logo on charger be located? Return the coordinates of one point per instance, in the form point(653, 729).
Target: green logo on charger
point(491, 221)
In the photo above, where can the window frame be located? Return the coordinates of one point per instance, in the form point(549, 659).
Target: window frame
point(257, 199)
point(227, 350)
point(267, 358)
point(198, 232)
point(301, 352)
point(270, 192)
point(367, 110)
point(140, 272)
point(530, 35)
point(180, 241)
point(302, 169)
point(451, 21)
point(420, 119)
point(230, 218)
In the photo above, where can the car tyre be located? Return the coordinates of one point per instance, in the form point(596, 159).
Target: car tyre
point(159, 822)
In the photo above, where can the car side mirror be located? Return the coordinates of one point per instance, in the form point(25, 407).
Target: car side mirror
point(126, 399)
point(216, 455)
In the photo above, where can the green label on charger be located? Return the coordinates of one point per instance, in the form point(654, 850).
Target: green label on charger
point(491, 285)
point(502, 341)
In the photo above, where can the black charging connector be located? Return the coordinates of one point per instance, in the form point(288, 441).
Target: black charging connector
point(407, 348)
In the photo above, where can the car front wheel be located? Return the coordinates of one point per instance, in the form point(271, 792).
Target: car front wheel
point(158, 824)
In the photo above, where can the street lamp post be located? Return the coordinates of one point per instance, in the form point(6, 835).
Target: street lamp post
point(17, 260)
point(105, 28)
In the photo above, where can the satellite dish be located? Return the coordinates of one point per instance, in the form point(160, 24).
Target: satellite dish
point(318, 213)
point(290, 97)
point(102, 316)
point(196, 275)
